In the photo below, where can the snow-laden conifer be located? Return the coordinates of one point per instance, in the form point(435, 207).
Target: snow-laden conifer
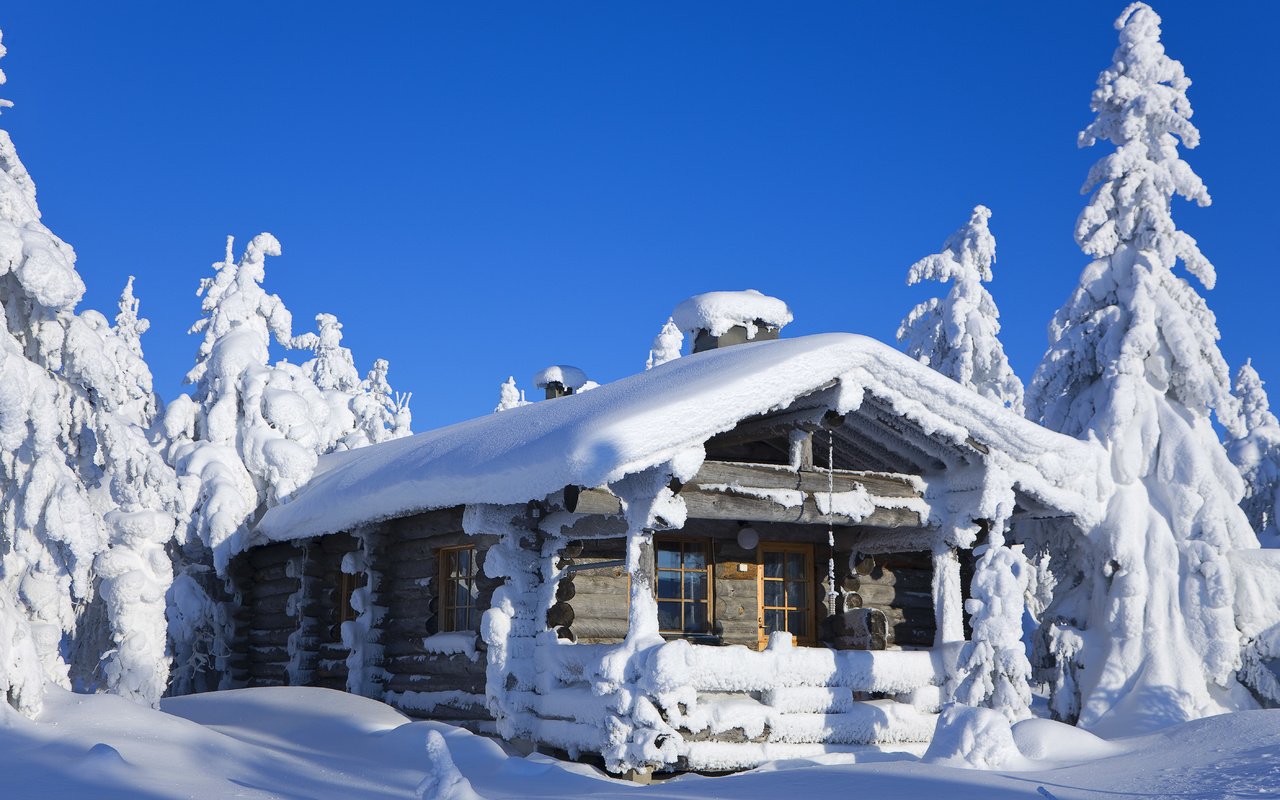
point(1257, 455)
point(510, 396)
point(85, 498)
point(1133, 361)
point(958, 335)
point(666, 345)
point(381, 413)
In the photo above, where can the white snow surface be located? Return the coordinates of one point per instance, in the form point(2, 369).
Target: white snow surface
point(717, 312)
point(651, 418)
point(315, 743)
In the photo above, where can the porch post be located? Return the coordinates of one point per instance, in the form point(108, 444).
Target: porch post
point(948, 601)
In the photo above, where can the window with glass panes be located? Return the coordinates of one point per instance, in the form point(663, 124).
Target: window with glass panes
point(458, 589)
point(683, 573)
point(786, 590)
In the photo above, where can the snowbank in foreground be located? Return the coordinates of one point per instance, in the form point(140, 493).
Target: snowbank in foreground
point(316, 743)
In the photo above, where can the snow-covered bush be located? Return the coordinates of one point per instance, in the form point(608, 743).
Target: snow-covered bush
point(1133, 362)
point(958, 335)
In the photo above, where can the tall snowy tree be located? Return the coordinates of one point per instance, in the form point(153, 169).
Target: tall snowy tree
point(666, 345)
point(1257, 455)
point(958, 335)
point(250, 435)
point(85, 498)
point(246, 438)
point(1146, 629)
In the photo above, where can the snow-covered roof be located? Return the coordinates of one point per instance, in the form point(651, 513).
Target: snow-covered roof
point(563, 374)
point(717, 312)
point(653, 417)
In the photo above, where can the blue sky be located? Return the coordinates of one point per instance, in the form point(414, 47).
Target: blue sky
point(484, 189)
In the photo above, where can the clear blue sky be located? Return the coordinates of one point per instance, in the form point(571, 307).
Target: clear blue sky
point(483, 189)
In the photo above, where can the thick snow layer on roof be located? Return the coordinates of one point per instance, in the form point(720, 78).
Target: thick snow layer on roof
point(650, 418)
point(566, 376)
point(717, 312)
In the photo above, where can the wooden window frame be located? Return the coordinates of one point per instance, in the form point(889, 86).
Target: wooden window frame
point(447, 607)
point(710, 572)
point(806, 549)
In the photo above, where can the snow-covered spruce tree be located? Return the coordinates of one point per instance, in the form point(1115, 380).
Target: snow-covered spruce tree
point(1257, 455)
point(1141, 627)
point(246, 438)
point(381, 414)
point(958, 335)
point(666, 345)
point(250, 435)
point(87, 503)
point(510, 396)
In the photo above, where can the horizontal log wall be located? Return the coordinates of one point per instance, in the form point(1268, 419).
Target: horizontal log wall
point(271, 578)
point(422, 684)
point(895, 585)
point(600, 597)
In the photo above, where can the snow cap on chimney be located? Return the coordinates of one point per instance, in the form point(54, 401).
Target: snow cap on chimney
point(559, 380)
point(720, 319)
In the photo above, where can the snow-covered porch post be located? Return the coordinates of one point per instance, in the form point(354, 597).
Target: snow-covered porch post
point(948, 601)
point(641, 739)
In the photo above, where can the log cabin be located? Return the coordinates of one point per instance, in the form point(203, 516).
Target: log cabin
point(759, 550)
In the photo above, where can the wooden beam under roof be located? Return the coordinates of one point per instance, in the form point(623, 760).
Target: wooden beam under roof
point(768, 493)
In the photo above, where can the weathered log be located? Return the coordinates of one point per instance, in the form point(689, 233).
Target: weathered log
point(880, 595)
point(268, 555)
point(560, 614)
point(406, 682)
point(274, 638)
point(566, 590)
point(275, 622)
point(285, 586)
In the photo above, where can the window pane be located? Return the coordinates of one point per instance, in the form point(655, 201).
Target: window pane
point(773, 565)
point(796, 623)
point(669, 585)
point(695, 556)
point(797, 594)
point(795, 565)
point(774, 621)
point(669, 616)
point(461, 619)
point(695, 586)
point(461, 597)
point(668, 555)
point(773, 593)
point(695, 617)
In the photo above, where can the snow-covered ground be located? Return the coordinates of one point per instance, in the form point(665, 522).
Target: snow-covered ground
point(317, 743)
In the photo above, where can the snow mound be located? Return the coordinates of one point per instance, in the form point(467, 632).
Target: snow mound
point(1045, 740)
point(717, 312)
point(568, 377)
point(976, 738)
point(443, 781)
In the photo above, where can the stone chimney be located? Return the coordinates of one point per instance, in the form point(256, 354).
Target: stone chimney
point(560, 380)
point(722, 319)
